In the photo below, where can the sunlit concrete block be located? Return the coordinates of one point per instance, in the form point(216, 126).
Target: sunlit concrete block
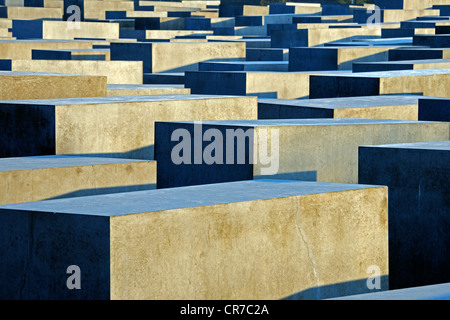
point(36, 85)
point(30, 13)
point(97, 9)
point(117, 72)
point(175, 56)
point(372, 107)
point(51, 29)
point(140, 90)
point(434, 109)
point(334, 58)
point(429, 82)
point(401, 65)
point(119, 127)
point(170, 34)
point(418, 178)
point(22, 49)
point(323, 150)
point(312, 240)
point(38, 178)
point(281, 85)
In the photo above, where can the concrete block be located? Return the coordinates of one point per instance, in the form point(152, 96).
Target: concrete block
point(49, 177)
point(37, 85)
point(267, 54)
point(401, 65)
point(334, 58)
point(387, 15)
point(146, 89)
point(432, 292)
point(408, 4)
point(172, 78)
point(418, 53)
point(434, 109)
point(277, 85)
point(432, 41)
point(117, 72)
point(327, 148)
point(49, 29)
point(198, 243)
point(281, 66)
point(117, 127)
point(417, 175)
point(428, 82)
point(372, 107)
point(175, 57)
point(74, 54)
point(22, 49)
point(316, 37)
point(30, 13)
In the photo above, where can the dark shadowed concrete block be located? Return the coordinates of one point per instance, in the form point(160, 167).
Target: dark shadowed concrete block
point(401, 65)
point(186, 154)
point(267, 54)
point(418, 54)
point(289, 38)
point(434, 109)
point(433, 41)
point(417, 175)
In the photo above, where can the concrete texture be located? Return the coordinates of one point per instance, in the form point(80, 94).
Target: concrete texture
point(198, 242)
point(38, 178)
point(328, 148)
point(175, 56)
point(429, 82)
point(418, 53)
point(118, 127)
point(38, 85)
point(373, 107)
point(417, 175)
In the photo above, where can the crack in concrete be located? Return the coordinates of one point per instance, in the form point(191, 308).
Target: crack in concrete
point(305, 242)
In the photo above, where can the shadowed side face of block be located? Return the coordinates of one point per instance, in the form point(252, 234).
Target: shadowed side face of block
point(417, 176)
point(198, 242)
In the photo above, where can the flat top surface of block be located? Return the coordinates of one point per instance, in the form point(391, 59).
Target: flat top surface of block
point(300, 122)
point(43, 162)
point(433, 145)
point(183, 197)
point(348, 102)
point(118, 99)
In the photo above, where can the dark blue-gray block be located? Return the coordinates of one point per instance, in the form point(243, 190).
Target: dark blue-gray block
point(40, 54)
point(266, 54)
point(396, 65)
point(335, 9)
point(68, 13)
point(230, 10)
point(437, 109)
point(133, 51)
point(186, 174)
point(281, 66)
point(313, 59)
point(389, 4)
point(418, 178)
point(280, 8)
point(397, 33)
point(205, 82)
point(243, 21)
point(432, 41)
point(38, 247)
point(323, 86)
point(289, 38)
point(442, 29)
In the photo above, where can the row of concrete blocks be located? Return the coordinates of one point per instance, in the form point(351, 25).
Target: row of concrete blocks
point(226, 215)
